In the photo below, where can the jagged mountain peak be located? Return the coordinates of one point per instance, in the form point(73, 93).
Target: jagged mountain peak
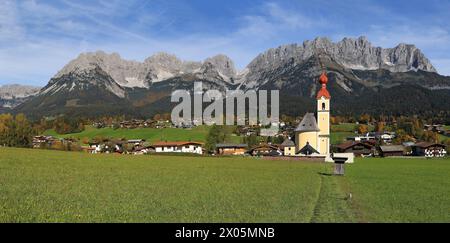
point(352, 53)
point(356, 68)
point(164, 59)
point(126, 73)
point(81, 82)
point(224, 65)
point(12, 95)
point(17, 90)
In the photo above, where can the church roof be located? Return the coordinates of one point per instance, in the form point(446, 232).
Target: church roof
point(323, 92)
point(307, 150)
point(308, 124)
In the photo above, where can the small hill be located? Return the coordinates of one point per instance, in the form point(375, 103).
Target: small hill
point(197, 134)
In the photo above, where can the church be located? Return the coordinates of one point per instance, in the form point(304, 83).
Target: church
point(312, 136)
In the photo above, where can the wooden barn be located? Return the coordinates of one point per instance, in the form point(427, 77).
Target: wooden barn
point(391, 150)
point(358, 148)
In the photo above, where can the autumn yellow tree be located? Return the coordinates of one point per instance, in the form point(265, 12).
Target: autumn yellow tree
point(379, 126)
point(363, 129)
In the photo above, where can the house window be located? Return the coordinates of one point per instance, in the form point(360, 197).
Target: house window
point(323, 106)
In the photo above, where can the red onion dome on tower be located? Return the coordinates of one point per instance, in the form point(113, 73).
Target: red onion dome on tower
point(323, 78)
point(323, 92)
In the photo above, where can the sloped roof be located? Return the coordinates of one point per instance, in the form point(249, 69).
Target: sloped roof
point(288, 143)
point(231, 145)
point(428, 144)
point(349, 144)
point(308, 124)
point(323, 92)
point(174, 144)
point(307, 150)
point(392, 148)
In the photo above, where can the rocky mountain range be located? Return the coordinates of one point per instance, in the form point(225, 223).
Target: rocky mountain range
point(363, 78)
point(15, 94)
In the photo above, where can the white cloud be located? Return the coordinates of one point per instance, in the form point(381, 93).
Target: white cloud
point(9, 27)
point(41, 57)
point(42, 37)
point(290, 19)
point(275, 19)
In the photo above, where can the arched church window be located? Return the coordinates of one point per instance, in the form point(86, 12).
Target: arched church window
point(323, 106)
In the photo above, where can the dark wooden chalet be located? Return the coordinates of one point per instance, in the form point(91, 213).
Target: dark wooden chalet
point(428, 149)
point(266, 150)
point(358, 148)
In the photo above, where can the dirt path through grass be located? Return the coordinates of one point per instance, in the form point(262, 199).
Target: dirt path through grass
point(334, 203)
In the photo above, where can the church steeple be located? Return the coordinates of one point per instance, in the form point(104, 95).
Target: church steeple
point(323, 115)
point(323, 92)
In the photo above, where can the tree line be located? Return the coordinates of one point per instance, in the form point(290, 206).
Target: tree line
point(15, 131)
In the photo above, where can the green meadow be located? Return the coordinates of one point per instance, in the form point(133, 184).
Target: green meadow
point(53, 186)
point(197, 134)
point(342, 131)
point(339, 135)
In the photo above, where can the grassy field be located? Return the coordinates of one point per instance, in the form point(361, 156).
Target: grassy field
point(402, 190)
point(344, 127)
point(340, 137)
point(341, 131)
point(51, 186)
point(150, 134)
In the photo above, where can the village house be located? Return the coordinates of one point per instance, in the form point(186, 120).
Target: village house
point(265, 150)
point(247, 130)
point(439, 128)
point(231, 149)
point(178, 147)
point(385, 137)
point(44, 141)
point(135, 142)
point(428, 149)
point(364, 138)
point(119, 146)
point(98, 125)
point(141, 150)
point(95, 147)
point(267, 133)
point(132, 124)
point(391, 150)
point(360, 149)
point(288, 147)
point(162, 124)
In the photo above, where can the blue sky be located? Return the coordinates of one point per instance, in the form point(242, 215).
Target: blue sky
point(38, 37)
